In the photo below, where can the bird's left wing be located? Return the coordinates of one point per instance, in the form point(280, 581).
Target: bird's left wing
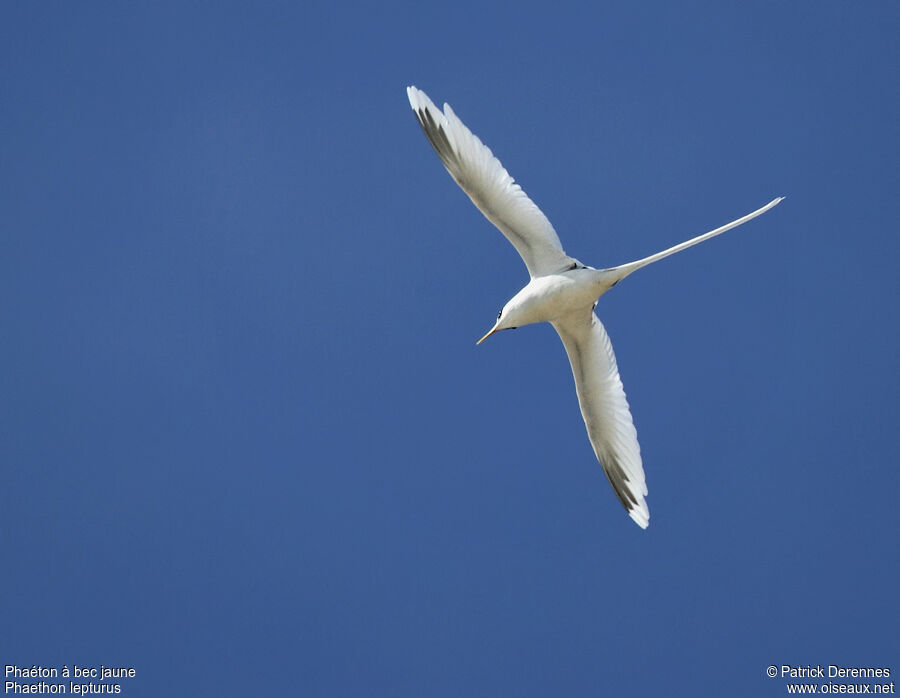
point(474, 167)
point(605, 409)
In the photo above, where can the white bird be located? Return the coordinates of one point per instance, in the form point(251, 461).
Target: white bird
point(562, 291)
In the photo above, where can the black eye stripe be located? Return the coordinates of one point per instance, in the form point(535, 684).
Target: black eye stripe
point(500, 313)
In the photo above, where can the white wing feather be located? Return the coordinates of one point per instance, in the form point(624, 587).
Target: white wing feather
point(605, 409)
point(489, 186)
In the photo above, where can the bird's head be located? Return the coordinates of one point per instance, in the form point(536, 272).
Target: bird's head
point(506, 320)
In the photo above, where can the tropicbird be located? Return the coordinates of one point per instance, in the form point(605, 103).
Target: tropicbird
point(562, 291)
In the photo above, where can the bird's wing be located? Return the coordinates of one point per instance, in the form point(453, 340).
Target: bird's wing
point(605, 409)
point(474, 167)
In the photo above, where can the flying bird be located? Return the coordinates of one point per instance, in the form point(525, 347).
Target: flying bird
point(562, 291)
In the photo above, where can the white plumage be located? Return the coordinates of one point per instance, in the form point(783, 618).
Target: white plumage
point(561, 291)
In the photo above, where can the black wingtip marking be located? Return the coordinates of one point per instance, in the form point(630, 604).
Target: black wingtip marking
point(618, 479)
point(436, 135)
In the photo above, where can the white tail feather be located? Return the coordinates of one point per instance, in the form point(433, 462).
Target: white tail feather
point(626, 269)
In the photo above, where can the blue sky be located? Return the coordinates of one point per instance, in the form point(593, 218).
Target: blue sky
point(248, 443)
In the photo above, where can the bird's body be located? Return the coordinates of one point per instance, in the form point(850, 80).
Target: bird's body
point(548, 298)
point(562, 291)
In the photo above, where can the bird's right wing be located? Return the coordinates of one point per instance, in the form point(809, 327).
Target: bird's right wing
point(489, 186)
point(605, 409)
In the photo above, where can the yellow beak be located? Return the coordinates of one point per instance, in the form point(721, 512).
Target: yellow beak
point(485, 336)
